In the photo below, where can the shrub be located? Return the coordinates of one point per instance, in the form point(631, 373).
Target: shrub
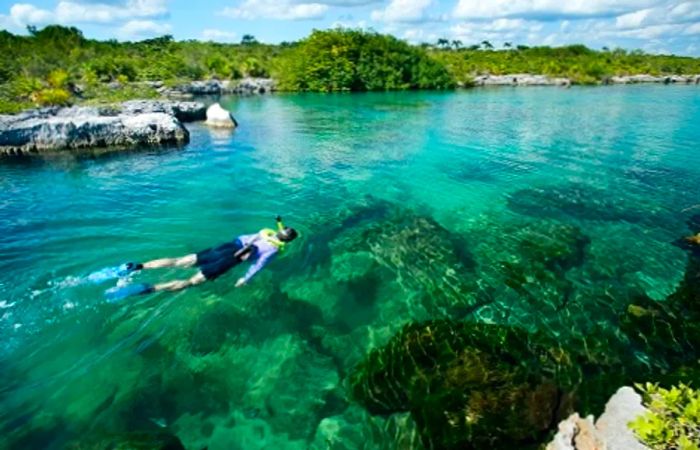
point(673, 419)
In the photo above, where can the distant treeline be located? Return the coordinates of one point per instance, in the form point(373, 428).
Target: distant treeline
point(58, 65)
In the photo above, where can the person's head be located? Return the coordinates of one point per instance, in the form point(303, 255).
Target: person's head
point(287, 234)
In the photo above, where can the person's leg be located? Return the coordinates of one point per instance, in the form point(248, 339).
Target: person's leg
point(184, 261)
point(180, 284)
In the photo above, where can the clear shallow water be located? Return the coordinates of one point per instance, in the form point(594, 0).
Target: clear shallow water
point(503, 171)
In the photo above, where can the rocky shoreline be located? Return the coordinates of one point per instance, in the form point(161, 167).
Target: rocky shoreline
point(126, 125)
point(245, 86)
point(526, 79)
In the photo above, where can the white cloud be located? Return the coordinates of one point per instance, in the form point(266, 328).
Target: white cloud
point(546, 9)
point(348, 3)
point(280, 10)
point(212, 34)
point(25, 14)
point(403, 11)
point(693, 29)
point(70, 12)
point(137, 29)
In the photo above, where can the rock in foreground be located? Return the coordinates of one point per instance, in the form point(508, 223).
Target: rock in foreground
point(131, 124)
point(610, 431)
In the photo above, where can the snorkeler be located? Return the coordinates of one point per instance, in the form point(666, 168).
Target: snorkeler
point(259, 248)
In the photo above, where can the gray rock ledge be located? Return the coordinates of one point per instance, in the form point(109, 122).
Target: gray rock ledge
point(520, 79)
point(245, 86)
point(130, 124)
point(665, 79)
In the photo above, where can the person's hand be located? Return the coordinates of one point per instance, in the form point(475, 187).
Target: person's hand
point(278, 218)
point(240, 282)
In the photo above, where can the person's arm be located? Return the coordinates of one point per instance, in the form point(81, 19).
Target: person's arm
point(255, 268)
point(280, 225)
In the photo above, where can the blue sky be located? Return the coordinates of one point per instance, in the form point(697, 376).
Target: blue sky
point(656, 26)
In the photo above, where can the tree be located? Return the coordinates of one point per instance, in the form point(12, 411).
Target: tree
point(248, 39)
point(507, 45)
point(487, 45)
point(457, 44)
point(443, 43)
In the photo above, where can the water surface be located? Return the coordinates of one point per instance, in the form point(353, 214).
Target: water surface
point(263, 366)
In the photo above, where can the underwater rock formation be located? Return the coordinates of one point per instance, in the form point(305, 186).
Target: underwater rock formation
point(145, 440)
point(470, 385)
point(576, 201)
point(475, 385)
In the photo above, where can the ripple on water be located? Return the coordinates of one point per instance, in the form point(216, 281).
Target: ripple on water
point(479, 205)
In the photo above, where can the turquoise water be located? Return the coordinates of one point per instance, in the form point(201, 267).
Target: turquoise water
point(383, 188)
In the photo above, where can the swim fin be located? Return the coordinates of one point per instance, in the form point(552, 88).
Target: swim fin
point(117, 293)
point(109, 273)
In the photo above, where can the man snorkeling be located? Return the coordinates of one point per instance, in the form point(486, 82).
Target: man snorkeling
point(258, 248)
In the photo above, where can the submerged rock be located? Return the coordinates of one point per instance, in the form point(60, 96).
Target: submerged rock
point(219, 117)
point(131, 124)
point(145, 440)
point(573, 200)
point(469, 385)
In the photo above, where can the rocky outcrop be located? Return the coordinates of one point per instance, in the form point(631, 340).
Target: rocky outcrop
point(131, 124)
point(469, 385)
point(526, 79)
point(245, 86)
point(183, 111)
point(218, 117)
point(610, 431)
point(645, 78)
point(520, 79)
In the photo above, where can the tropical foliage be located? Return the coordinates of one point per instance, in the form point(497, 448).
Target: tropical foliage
point(350, 60)
point(57, 65)
point(673, 419)
point(577, 62)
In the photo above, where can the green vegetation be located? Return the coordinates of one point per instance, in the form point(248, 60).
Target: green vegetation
point(673, 420)
point(58, 65)
point(577, 62)
point(348, 60)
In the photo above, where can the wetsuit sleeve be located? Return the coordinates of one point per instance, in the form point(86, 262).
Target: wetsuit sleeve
point(260, 262)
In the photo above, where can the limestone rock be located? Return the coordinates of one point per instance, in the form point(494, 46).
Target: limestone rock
point(250, 86)
point(520, 79)
point(245, 86)
point(184, 111)
point(610, 431)
point(130, 124)
point(219, 117)
point(622, 408)
point(646, 78)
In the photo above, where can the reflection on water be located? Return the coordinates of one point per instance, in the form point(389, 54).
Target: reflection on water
point(541, 211)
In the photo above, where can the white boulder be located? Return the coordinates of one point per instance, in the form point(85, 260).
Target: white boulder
point(219, 117)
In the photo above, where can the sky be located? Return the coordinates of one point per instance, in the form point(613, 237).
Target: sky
point(655, 26)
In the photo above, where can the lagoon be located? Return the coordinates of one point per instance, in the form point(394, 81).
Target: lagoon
point(411, 206)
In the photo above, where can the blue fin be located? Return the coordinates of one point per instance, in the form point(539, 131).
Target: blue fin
point(109, 273)
point(119, 293)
